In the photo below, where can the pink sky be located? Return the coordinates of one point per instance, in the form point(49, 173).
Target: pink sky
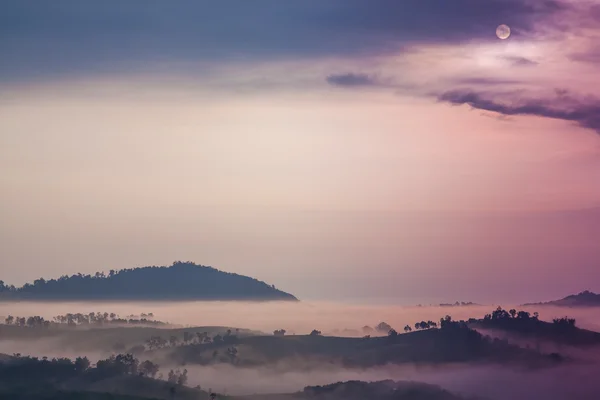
point(332, 176)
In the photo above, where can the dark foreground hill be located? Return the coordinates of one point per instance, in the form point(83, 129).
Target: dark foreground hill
point(358, 390)
point(123, 377)
point(181, 281)
point(583, 299)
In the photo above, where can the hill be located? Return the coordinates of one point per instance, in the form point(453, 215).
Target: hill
point(181, 281)
point(453, 343)
point(118, 377)
point(359, 390)
point(583, 299)
point(521, 324)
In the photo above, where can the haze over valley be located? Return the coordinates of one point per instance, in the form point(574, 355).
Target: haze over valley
point(299, 200)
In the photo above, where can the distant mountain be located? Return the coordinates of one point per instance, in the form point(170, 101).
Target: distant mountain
point(181, 281)
point(583, 299)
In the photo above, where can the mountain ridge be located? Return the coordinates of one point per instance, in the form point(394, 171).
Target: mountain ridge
point(180, 281)
point(581, 299)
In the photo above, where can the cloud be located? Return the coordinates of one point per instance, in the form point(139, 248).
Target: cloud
point(352, 80)
point(487, 81)
point(520, 61)
point(49, 40)
point(585, 112)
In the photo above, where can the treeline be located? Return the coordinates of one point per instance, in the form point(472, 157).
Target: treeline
point(524, 320)
point(58, 369)
point(195, 338)
point(182, 280)
point(81, 319)
point(498, 316)
point(458, 304)
point(189, 338)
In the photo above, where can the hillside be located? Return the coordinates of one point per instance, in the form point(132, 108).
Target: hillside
point(583, 299)
point(358, 390)
point(522, 324)
point(452, 344)
point(118, 377)
point(181, 281)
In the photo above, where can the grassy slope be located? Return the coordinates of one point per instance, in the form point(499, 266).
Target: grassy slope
point(542, 330)
point(357, 390)
point(64, 395)
point(119, 387)
point(432, 346)
point(105, 338)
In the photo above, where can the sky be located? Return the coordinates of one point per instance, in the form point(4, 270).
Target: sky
point(354, 150)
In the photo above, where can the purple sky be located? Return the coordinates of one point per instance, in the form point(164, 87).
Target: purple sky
point(352, 149)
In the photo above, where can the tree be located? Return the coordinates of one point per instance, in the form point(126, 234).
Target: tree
point(148, 369)
point(182, 378)
point(232, 353)
point(407, 329)
point(127, 362)
point(173, 341)
point(82, 364)
point(524, 315)
point(513, 313)
point(392, 333)
point(500, 313)
point(9, 320)
point(156, 342)
point(178, 377)
point(446, 322)
point(315, 333)
point(564, 323)
point(383, 327)
point(279, 332)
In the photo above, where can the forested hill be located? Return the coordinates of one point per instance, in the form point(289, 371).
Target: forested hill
point(181, 281)
point(583, 299)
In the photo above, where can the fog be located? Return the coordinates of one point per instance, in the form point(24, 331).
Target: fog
point(298, 318)
point(567, 381)
point(492, 382)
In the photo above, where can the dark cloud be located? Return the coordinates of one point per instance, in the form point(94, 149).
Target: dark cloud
point(487, 81)
point(520, 61)
point(592, 55)
point(585, 112)
point(352, 80)
point(49, 39)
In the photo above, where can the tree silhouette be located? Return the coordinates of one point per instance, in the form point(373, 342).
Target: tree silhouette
point(81, 364)
point(383, 327)
point(148, 369)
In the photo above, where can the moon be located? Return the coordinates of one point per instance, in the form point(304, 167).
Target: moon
point(503, 31)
